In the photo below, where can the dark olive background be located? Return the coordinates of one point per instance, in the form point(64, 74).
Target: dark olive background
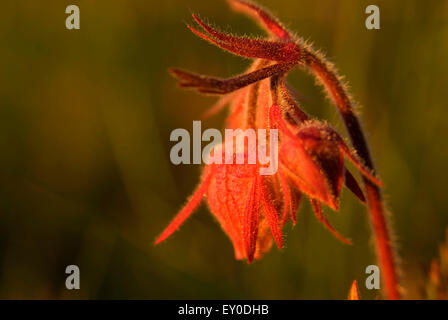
point(85, 119)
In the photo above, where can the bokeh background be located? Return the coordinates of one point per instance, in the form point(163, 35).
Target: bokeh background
point(85, 175)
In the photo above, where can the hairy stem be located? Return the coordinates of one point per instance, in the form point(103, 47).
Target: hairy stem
point(382, 230)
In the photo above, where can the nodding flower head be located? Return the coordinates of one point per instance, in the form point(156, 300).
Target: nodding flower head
point(248, 205)
point(252, 208)
point(313, 157)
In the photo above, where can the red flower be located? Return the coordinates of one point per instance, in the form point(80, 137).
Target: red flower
point(312, 159)
point(311, 154)
point(244, 202)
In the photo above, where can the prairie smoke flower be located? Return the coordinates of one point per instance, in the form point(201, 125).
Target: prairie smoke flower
point(311, 153)
point(312, 159)
point(242, 200)
point(246, 204)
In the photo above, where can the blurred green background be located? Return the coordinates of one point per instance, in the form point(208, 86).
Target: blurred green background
point(85, 119)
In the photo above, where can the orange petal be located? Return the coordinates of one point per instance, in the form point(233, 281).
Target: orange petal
point(251, 217)
point(188, 209)
point(320, 216)
point(271, 214)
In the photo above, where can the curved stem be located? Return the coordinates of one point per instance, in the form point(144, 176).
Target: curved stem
point(336, 90)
